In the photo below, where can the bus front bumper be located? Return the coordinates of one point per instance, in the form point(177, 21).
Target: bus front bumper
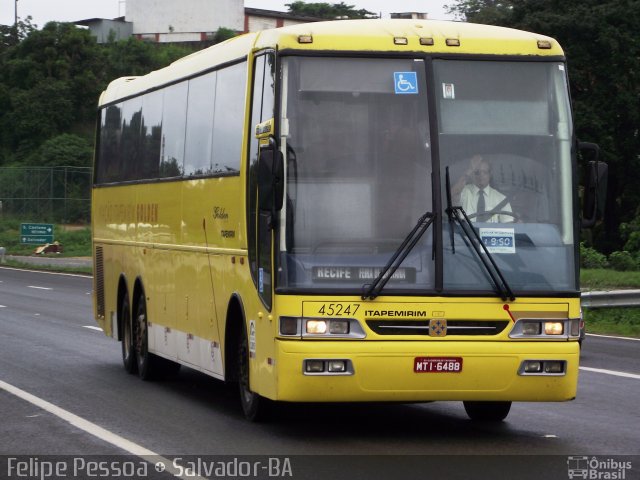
point(385, 371)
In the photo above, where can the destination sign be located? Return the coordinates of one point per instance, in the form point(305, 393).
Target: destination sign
point(360, 274)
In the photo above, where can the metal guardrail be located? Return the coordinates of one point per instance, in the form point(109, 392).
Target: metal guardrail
point(611, 299)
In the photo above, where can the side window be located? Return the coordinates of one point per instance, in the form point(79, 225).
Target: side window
point(229, 118)
point(151, 134)
point(202, 97)
point(109, 153)
point(173, 130)
point(130, 148)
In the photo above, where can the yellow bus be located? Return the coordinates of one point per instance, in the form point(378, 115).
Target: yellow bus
point(348, 211)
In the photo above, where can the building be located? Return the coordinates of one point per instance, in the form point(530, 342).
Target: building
point(104, 29)
point(410, 15)
point(256, 19)
point(184, 21)
point(168, 21)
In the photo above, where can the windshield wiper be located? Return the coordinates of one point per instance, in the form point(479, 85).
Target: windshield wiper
point(457, 214)
point(371, 291)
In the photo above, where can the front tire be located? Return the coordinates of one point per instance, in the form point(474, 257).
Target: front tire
point(487, 411)
point(254, 406)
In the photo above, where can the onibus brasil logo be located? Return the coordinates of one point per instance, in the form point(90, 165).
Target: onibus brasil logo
point(597, 468)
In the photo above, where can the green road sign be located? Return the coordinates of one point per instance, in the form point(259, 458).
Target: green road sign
point(36, 233)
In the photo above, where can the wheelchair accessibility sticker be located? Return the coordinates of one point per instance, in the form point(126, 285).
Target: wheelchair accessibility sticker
point(405, 82)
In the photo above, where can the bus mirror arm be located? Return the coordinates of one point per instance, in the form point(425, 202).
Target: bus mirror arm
point(595, 186)
point(270, 177)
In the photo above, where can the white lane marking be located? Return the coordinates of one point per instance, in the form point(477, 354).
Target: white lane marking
point(611, 372)
point(92, 327)
point(611, 336)
point(3, 306)
point(39, 288)
point(99, 432)
point(47, 273)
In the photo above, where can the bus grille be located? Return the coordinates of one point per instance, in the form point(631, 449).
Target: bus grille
point(454, 327)
point(99, 281)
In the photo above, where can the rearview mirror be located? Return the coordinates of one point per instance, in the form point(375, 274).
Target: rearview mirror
point(270, 177)
point(595, 186)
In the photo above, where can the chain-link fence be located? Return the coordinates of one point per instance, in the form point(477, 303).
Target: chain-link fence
point(52, 194)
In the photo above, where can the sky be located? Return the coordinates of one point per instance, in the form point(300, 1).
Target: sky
point(44, 11)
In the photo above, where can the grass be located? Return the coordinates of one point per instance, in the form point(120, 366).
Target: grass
point(603, 279)
point(75, 240)
point(613, 321)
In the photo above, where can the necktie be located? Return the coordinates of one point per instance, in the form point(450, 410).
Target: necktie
point(481, 205)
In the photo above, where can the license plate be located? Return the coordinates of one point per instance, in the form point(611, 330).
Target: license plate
point(437, 365)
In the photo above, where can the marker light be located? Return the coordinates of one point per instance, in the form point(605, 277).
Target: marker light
point(426, 41)
point(553, 328)
point(544, 44)
point(289, 326)
point(575, 327)
point(400, 41)
point(453, 42)
point(305, 39)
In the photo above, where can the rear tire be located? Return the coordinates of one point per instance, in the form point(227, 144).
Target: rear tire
point(487, 411)
point(146, 361)
point(254, 406)
point(128, 349)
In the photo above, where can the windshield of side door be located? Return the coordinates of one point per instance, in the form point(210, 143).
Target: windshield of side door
point(358, 172)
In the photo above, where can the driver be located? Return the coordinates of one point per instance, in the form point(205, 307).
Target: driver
point(478, 198)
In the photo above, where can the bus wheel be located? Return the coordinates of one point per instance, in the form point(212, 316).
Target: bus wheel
point(128, 349)
point(487, 411)
point(253, 405)
point(141, 341)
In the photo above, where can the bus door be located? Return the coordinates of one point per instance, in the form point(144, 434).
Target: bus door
point(260, 222)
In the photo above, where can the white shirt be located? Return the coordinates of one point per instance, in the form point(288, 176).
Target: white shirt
point(492, 197)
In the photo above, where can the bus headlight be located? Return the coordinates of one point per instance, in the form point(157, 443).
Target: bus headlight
point(530, 328)
point(320, 327)
point(316, 327)
point(333, 326)
point(553, 328)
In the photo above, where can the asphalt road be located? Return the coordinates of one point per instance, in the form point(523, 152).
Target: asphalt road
point(49, 351)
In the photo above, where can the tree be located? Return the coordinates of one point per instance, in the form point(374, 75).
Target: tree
point(603, 53)
point(50, 82)
point(10, 35)
point(223, 34)
point(327, 10)
point(64, 150)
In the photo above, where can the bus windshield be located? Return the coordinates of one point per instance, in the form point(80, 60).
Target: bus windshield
point(359, 173)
